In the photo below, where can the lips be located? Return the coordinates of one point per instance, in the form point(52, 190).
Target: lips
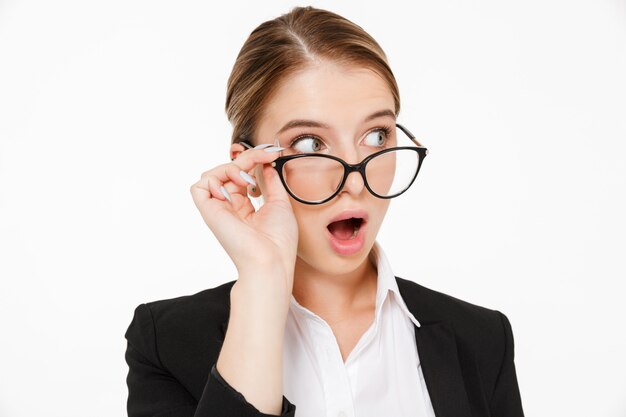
point(347, 232)
point(351, 213)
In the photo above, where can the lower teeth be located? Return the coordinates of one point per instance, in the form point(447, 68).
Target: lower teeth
point(354, 232)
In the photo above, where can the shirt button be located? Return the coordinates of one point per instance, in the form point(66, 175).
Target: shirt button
point(342, 414)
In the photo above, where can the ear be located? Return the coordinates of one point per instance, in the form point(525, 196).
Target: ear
point(236, 149)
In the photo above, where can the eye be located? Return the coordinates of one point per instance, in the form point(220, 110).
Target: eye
point(376, 137)
point(307, 144)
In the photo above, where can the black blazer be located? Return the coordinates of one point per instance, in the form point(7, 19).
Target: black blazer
point(466, 353)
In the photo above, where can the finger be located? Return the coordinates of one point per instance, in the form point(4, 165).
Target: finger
point(217, 211)
point(275, 190)
point(216, 190)
point(234, 194)
point(243, 207)
point(238, 170)
point(245, 161)
point(229, 172)
point(238, 175)
point(223, 221)
point(208, 187)
point(235, 183)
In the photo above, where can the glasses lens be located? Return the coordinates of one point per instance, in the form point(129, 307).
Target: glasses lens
point(312, 178)
point(391, 173)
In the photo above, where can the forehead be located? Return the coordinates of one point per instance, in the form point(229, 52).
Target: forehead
point(338, 95)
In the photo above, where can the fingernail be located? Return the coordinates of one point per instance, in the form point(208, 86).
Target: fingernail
point(226, 194)
point(263, 146)
point(247, 177)
point(274, 149)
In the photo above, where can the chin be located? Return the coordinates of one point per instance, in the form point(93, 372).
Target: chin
point(325, 260)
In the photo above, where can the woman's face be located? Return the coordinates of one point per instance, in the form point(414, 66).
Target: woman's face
point(345, 108)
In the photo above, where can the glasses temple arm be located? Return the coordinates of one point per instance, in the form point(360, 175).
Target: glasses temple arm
point(410, 135)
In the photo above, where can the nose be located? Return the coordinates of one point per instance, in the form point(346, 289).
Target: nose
point(354, 182)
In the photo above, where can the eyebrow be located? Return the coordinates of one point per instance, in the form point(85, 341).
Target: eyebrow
point(312, 123)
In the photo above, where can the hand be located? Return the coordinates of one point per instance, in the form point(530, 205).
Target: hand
point(266, 240)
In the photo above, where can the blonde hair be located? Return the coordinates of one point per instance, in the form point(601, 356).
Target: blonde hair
point(277, 48)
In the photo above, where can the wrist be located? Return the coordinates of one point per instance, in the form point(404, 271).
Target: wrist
point(272, 279)
point(262, 294)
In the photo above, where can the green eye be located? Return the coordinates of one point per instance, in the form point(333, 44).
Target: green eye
point(376, 138)
point(307, 144)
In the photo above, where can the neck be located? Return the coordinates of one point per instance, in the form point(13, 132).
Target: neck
point(331, 296)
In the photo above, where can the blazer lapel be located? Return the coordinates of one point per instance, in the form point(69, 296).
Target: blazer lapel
point(437, 350)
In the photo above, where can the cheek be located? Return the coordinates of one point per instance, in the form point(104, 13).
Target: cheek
point(311, 230)
point(377, 214)
point(309, 226)
point(383, 208)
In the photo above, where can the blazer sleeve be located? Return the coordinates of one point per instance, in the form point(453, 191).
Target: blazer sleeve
point(154, 392)
point(506, 400)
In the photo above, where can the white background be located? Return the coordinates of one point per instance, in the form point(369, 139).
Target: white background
point(110, 110)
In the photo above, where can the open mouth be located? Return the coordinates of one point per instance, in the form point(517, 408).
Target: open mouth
point(345, 229)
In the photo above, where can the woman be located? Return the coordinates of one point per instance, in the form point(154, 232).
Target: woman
point(315, 319)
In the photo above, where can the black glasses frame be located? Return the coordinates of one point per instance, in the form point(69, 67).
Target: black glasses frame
point(279, 162)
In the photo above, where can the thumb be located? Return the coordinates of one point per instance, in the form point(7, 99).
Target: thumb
point(274, 189)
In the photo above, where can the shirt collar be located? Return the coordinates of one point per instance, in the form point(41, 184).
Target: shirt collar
point(386, 283)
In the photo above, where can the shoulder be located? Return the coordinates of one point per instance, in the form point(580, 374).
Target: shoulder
point(479, 327)
point(475, 340)
point(431, 305)
point(164, 328)
point(212, 302)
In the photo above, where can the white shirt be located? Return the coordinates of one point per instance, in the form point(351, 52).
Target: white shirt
point(382, 375)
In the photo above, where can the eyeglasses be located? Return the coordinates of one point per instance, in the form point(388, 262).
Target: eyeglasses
point(312, 178)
